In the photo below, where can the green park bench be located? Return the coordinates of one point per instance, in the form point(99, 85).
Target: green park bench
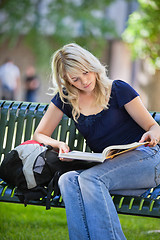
point(18, 121)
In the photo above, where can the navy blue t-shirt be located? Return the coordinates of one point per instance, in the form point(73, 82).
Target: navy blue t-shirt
point(112, 126)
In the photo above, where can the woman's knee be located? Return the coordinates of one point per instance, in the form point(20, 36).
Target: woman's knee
point(67, 178)
point(97, 176)
point(89, 178)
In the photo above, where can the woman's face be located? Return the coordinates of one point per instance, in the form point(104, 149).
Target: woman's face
point(84, 81)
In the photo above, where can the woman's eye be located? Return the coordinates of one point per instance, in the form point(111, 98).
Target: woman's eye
point(85, 73)
point(75, 80)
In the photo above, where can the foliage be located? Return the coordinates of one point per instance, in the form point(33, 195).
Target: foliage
point(50, 23)
point(143, 31)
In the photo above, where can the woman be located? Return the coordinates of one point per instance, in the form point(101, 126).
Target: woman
point(106, 113)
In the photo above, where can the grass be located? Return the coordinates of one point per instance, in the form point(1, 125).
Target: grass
point(35, 223)
point(32, 223)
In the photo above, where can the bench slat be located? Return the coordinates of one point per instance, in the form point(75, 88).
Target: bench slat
point(18, 121)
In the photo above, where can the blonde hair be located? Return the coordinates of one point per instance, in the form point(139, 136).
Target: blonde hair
point(72, 59)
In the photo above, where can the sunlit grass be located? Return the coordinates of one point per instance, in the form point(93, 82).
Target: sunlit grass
point(35, 223)
point(32, 223)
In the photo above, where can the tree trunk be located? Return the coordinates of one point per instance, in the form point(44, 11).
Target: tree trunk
point(153, 91)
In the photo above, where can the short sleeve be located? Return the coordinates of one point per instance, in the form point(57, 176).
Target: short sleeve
point(124, 92)
point(64, 107)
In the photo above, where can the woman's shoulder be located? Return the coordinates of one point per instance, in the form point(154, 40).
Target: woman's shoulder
point(121, 86)
point(119, 83)
point(123, 92)
point(62, 104)
point(56, 96)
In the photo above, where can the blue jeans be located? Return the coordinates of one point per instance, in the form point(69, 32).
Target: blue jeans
point(90, 211)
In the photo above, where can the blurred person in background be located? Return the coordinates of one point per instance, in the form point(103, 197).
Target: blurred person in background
point(31, 84)
point(9, 80)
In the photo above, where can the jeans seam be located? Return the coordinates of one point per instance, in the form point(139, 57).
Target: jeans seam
point(154, 155)
point(156, 174)
point(80, 199)
point(113, 233)
point(149, 156)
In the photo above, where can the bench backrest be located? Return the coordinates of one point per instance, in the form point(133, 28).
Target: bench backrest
point(18, 120)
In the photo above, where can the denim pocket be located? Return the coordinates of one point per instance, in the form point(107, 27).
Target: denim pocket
point(148, 152)
point(157, 174)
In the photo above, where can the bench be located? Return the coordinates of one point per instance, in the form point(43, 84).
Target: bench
point(18, 121)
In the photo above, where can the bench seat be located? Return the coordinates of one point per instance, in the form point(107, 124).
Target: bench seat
point(18, 121)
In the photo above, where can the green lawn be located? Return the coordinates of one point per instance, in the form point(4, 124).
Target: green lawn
point(35, 223)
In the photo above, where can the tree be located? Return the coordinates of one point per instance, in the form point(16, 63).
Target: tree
point(143, 36)
point(42, 22)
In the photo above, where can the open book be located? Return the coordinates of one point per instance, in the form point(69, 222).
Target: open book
point(108, 152)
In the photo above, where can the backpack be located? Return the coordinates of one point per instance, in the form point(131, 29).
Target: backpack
point(34, 169)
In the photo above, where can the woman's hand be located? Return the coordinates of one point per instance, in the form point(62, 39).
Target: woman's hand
point(151, 138)
point(64, 148)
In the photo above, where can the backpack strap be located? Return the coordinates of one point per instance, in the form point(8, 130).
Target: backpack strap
point(53, 185)
point(33, 194)
point(49, 193)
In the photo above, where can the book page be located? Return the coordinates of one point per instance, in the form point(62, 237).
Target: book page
point(108, 152)
point(113, 151)
point(88, 156)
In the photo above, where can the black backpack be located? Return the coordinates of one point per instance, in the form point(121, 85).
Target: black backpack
point(34, 169)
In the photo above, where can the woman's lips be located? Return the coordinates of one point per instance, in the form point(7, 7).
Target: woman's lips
point(87, 85)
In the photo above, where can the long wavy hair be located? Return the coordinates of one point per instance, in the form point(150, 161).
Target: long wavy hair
point(72, 59)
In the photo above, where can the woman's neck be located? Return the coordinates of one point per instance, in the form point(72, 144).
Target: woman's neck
point(87, 104)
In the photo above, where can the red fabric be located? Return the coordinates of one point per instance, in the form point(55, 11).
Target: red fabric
point(31, 142)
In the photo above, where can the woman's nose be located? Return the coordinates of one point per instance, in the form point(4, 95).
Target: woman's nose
point(84, 80)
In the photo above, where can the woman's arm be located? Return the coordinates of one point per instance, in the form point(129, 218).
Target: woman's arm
point(139, 113)
point(47, 126)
